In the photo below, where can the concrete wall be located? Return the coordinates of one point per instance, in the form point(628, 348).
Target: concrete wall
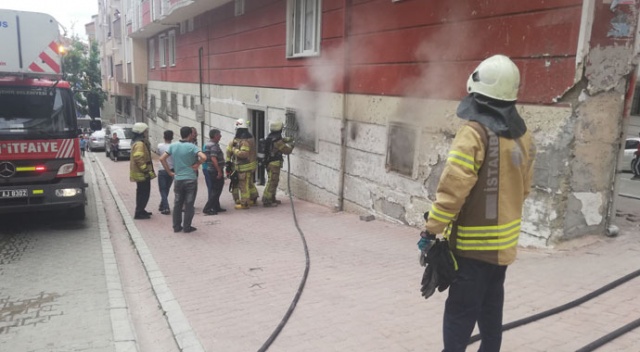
point(576, 139)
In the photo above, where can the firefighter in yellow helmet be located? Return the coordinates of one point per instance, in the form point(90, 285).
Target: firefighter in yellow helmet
point(141, 168)
point(275, 147)
point(479, 202)
point(242, 152)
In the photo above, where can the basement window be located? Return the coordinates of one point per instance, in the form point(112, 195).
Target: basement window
point(174, 106)
point(401, 150)
point(301, 126)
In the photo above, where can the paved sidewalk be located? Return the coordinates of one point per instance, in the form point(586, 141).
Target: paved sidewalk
point(235, 277)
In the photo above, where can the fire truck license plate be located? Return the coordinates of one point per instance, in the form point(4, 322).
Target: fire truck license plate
point(13, 193)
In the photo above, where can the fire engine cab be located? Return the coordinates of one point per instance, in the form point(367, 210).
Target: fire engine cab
point(41, 167)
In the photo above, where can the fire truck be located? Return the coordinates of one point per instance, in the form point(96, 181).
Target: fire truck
point(41, 167)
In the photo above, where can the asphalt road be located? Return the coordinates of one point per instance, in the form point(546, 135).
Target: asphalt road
point(53, 288)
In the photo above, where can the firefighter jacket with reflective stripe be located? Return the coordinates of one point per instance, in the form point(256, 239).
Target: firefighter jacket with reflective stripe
point(480, 196)
point(140, 164)
point(243, 152)
point(278, 148)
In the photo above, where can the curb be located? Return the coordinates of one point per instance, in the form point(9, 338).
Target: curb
point(182, 331)
point(124, 336)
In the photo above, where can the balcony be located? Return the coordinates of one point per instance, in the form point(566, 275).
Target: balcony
point(166, 14)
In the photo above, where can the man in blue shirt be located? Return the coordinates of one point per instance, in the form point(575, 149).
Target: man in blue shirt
point(187, 158)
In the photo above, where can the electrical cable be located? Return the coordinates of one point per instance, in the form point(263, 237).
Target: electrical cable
point(566, 306)
point(284, 320)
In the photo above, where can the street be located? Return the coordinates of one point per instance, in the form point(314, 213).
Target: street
point(53, 291)
point(227, 286)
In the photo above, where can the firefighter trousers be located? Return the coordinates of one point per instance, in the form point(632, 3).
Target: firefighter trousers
point(273, 174)
point(476, 295)
point(247, 190)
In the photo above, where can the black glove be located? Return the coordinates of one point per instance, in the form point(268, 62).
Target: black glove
point(441, 268)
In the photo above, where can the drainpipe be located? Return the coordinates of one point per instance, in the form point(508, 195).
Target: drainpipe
point(344, 123)
point(201, 99)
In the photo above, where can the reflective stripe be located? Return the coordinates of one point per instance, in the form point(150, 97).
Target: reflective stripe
point(440, 215)
point(463, 160)
point(247, 167)
point(488, 238)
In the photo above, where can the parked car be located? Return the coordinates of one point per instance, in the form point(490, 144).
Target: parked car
point(123, 151)
point(630, 147)
point(96, 140)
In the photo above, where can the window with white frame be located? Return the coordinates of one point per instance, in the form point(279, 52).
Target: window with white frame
point(239, 7)
point(152, 53)
point(162, 50)
point(303, 28)
point(172, 48)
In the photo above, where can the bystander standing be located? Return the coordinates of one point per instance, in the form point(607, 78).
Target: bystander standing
point(187, 158)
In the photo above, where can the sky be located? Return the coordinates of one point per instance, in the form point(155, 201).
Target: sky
point(71, 14)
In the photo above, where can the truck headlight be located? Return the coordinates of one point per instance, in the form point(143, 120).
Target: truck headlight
point(68, 192)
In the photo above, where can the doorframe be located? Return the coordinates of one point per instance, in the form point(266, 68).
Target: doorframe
point(257, 117)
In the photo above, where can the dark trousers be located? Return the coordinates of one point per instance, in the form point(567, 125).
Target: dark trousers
point(476, 295)
point(143, 191)
point(208, 182)
point(164, 185)
point(213, 203)
point(185, 195)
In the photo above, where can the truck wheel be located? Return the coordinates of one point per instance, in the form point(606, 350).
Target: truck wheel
point(77, 213)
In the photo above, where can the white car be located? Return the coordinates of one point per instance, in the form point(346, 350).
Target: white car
point(124, 143)
point(96, 140)
point(630, 148)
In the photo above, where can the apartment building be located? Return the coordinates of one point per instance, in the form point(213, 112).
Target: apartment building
point(369, 89)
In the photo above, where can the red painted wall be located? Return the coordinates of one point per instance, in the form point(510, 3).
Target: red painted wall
point(413, 47)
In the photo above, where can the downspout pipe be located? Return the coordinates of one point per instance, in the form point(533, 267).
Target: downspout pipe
point(344, 122)
point(200, 51)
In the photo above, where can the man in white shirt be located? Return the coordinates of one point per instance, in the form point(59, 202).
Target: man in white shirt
point(164, 180)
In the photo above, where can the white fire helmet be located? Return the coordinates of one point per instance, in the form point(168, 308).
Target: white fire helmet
point(241, 123)
point(496, 77)
point(139, 127)
point(276, 126)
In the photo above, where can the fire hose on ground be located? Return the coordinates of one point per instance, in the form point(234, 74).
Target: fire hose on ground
point(593, 345)
point(303, 281)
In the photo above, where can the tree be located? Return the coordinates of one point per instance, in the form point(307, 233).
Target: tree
point(81, 68)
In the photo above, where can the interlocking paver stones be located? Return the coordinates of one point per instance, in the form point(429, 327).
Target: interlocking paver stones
point(235, 278)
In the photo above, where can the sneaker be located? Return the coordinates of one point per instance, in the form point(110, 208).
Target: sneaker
point(635, 178)
point(147, 212)
point(165, 212)
point(241, 206)
point(210, 212)
point(142, 216)
point(189, 229)
point(177, 229)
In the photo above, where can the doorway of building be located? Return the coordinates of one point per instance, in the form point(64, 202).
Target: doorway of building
point(258, 130)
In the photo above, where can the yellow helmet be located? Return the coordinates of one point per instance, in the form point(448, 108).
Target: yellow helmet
point(241, 123)
point(139, 127)
point(276, 126)
point(496, 77)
